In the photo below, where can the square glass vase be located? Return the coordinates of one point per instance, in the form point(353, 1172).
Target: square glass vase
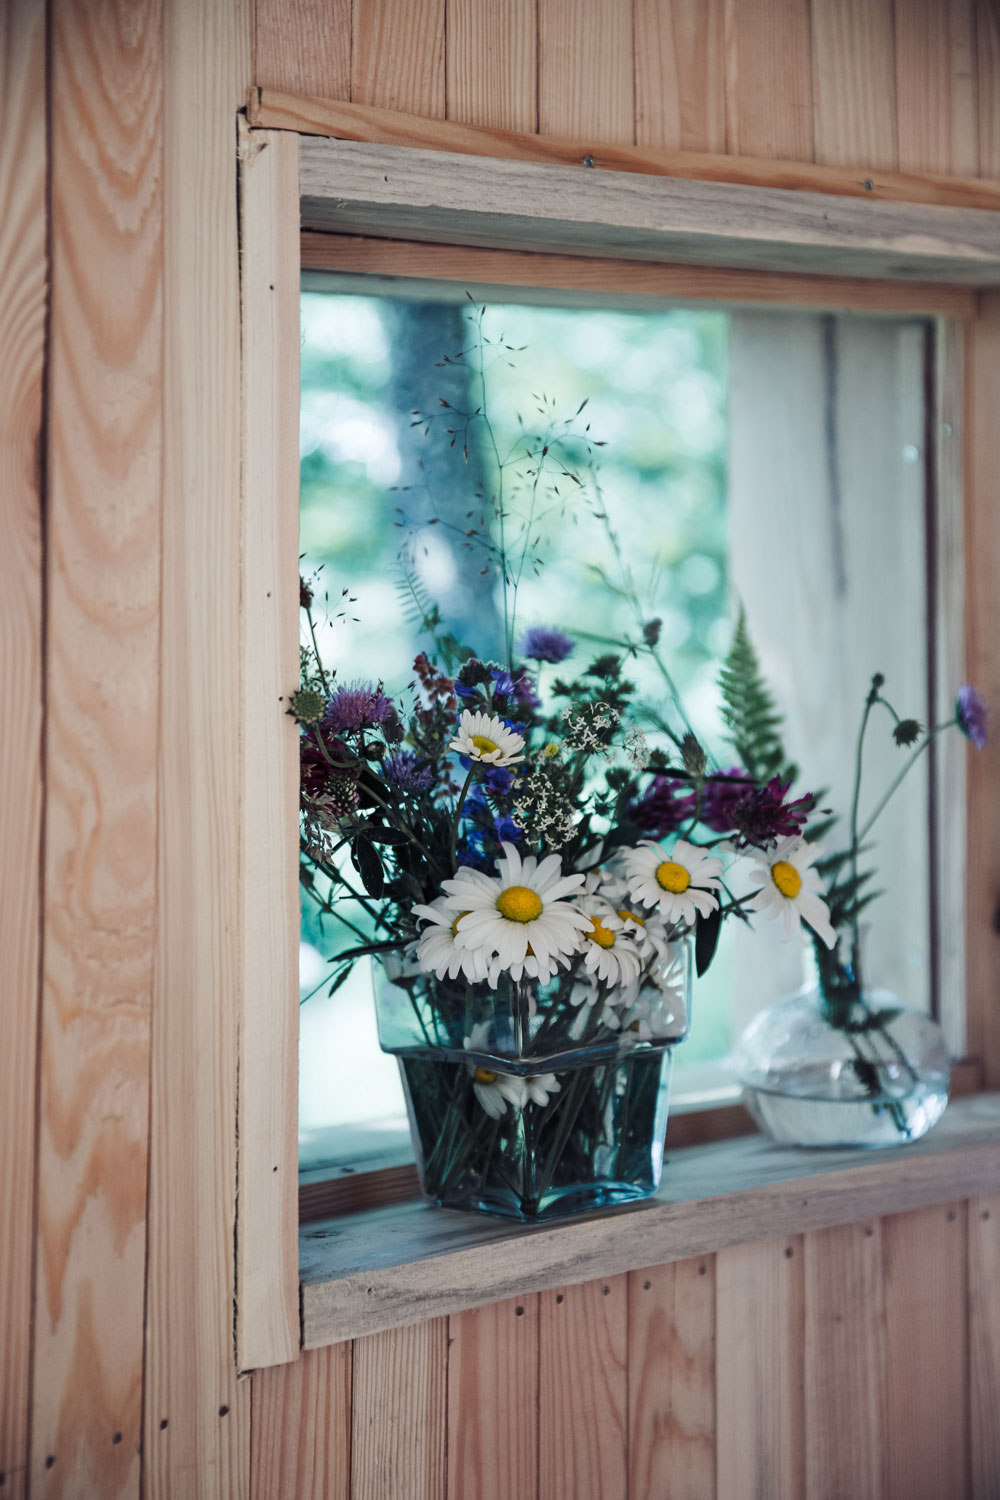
point(535, 1101)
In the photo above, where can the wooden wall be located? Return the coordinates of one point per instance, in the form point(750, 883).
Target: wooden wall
point(863, 1356)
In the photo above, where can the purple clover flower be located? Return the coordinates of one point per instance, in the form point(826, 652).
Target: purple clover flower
point(720, 799)
point(542, 643)
point(663, 809)
point(407, 772)
point(972, 716)
point(762, 817)
point(360, 705)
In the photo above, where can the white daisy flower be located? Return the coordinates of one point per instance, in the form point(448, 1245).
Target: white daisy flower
point(647, 930)
point(609, 956)
point(658, 1008)
point(485, 737)
point(493, 1090)
point(789, 889)
point(679, 882)
point(436, 951)
point(521, 915)
point(539, 1087)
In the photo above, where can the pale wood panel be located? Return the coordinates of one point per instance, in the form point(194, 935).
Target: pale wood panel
point(982, 561)
point(275, 110)
point(611, 283)
point(492, 63)
point(583, 1394)
point(854, 82)
point(671, 1381)
point(844, 1362)
point(680, 95)
point(988, 82)
point(397, 55)
point(399, 1414)
point(301, 1428)
point(304, 47)
point(493, 1401)
point(585, 69)
point(267, 1255)
point(22, 337)
point(926, 1413)
point(760, 1369)
point(769, 79)
point(103, 565)
point(197, 1415)
point(984, 1345)
point(936, 86)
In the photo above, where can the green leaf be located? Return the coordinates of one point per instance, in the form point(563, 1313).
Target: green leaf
point(706, 941)
point(368, 865)
point(748, 709)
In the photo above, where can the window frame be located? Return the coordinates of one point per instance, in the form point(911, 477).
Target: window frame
point(268, 1329)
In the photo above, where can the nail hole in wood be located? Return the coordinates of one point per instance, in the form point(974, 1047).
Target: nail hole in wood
point(116, 1437)
point(869, 1231)
point(50, 1460)
point(869, 185)
point(646, 1285)
point(519, 1312)
point(559, 1296)
point(986, 1213)
point(606, 1290)
point(223, 1411)
point(588, 161)
point(789, 1251)
point(163, 1424)
point(952, 1216)
point(702, 1270)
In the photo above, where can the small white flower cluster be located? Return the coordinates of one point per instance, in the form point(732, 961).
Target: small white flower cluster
point(637, 751)
point(584, 726)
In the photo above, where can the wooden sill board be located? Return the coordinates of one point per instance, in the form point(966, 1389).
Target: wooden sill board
point(406, 1262)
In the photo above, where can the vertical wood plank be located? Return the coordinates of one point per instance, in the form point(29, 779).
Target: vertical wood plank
point(936, 87)
point(103, 580)
point(769, 79)
point(845, 1363)
point(984, 1345)
point(854, 83)
point(304, 48)
point(680, 95)
point(493, 1401)
point(492, 64)
point(267, 1227)
point(23, 273)
point(982, 563)
point(988, 81)
point(397, 56)
point(926, 1422)
point(399, 1413)
point(197, 1419)
point(671, 1381)
point(301, 1428)
point(585, 69)
point(760, 1315)
point(583, 1391)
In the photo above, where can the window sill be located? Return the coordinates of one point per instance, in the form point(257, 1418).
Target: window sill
point(388, 1266)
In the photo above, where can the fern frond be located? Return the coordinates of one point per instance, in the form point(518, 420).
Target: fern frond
point(748, 709)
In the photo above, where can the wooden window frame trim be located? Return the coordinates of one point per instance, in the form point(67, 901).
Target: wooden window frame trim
point(283, 176)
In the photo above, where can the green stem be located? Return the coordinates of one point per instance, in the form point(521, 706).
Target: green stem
point(858, 758)
point(453, 842)
point(894, 784)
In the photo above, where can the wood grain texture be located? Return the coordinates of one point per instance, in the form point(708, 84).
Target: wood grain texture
point(680, 94)
point(577, 280)
point(196, 1413)
point(23, 274)
point(671, 1381)
point(988, 85)
point(493, 1401)
point(585, 69)
point(760, 1325)
point(301, 1428)
point(984, 1345)
point(274, 110)
point(304, 48)
point(103, 568)
point(397, 55)
point(267, 1265)
point(492, 63)
point(583, 1391)
point(399, 1414)
point(769, 79)
point(854, 82)
point(982, 620)
point(844, 1363)
point(397, 193)
point(936, 86)
point(926, 1397)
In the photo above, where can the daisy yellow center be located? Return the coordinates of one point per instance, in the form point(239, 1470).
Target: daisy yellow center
point(673, 877)
point(483, 745)
point(787, 878)
point(600, 935)
point(454, 925)
point(630, 916)
point(518, 903)
point(483, 1075)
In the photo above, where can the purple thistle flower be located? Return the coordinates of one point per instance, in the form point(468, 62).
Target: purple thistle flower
point(972, 716)
point(408, 772)
point(663, 809)
point(720, 798)
point(542, 643)
point(357, 706)
point(762, 816)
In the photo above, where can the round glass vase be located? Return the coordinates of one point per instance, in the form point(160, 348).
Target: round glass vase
point(839, 1064)
point(527, 1102)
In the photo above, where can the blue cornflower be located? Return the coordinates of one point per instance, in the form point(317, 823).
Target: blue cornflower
point(503, 682)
